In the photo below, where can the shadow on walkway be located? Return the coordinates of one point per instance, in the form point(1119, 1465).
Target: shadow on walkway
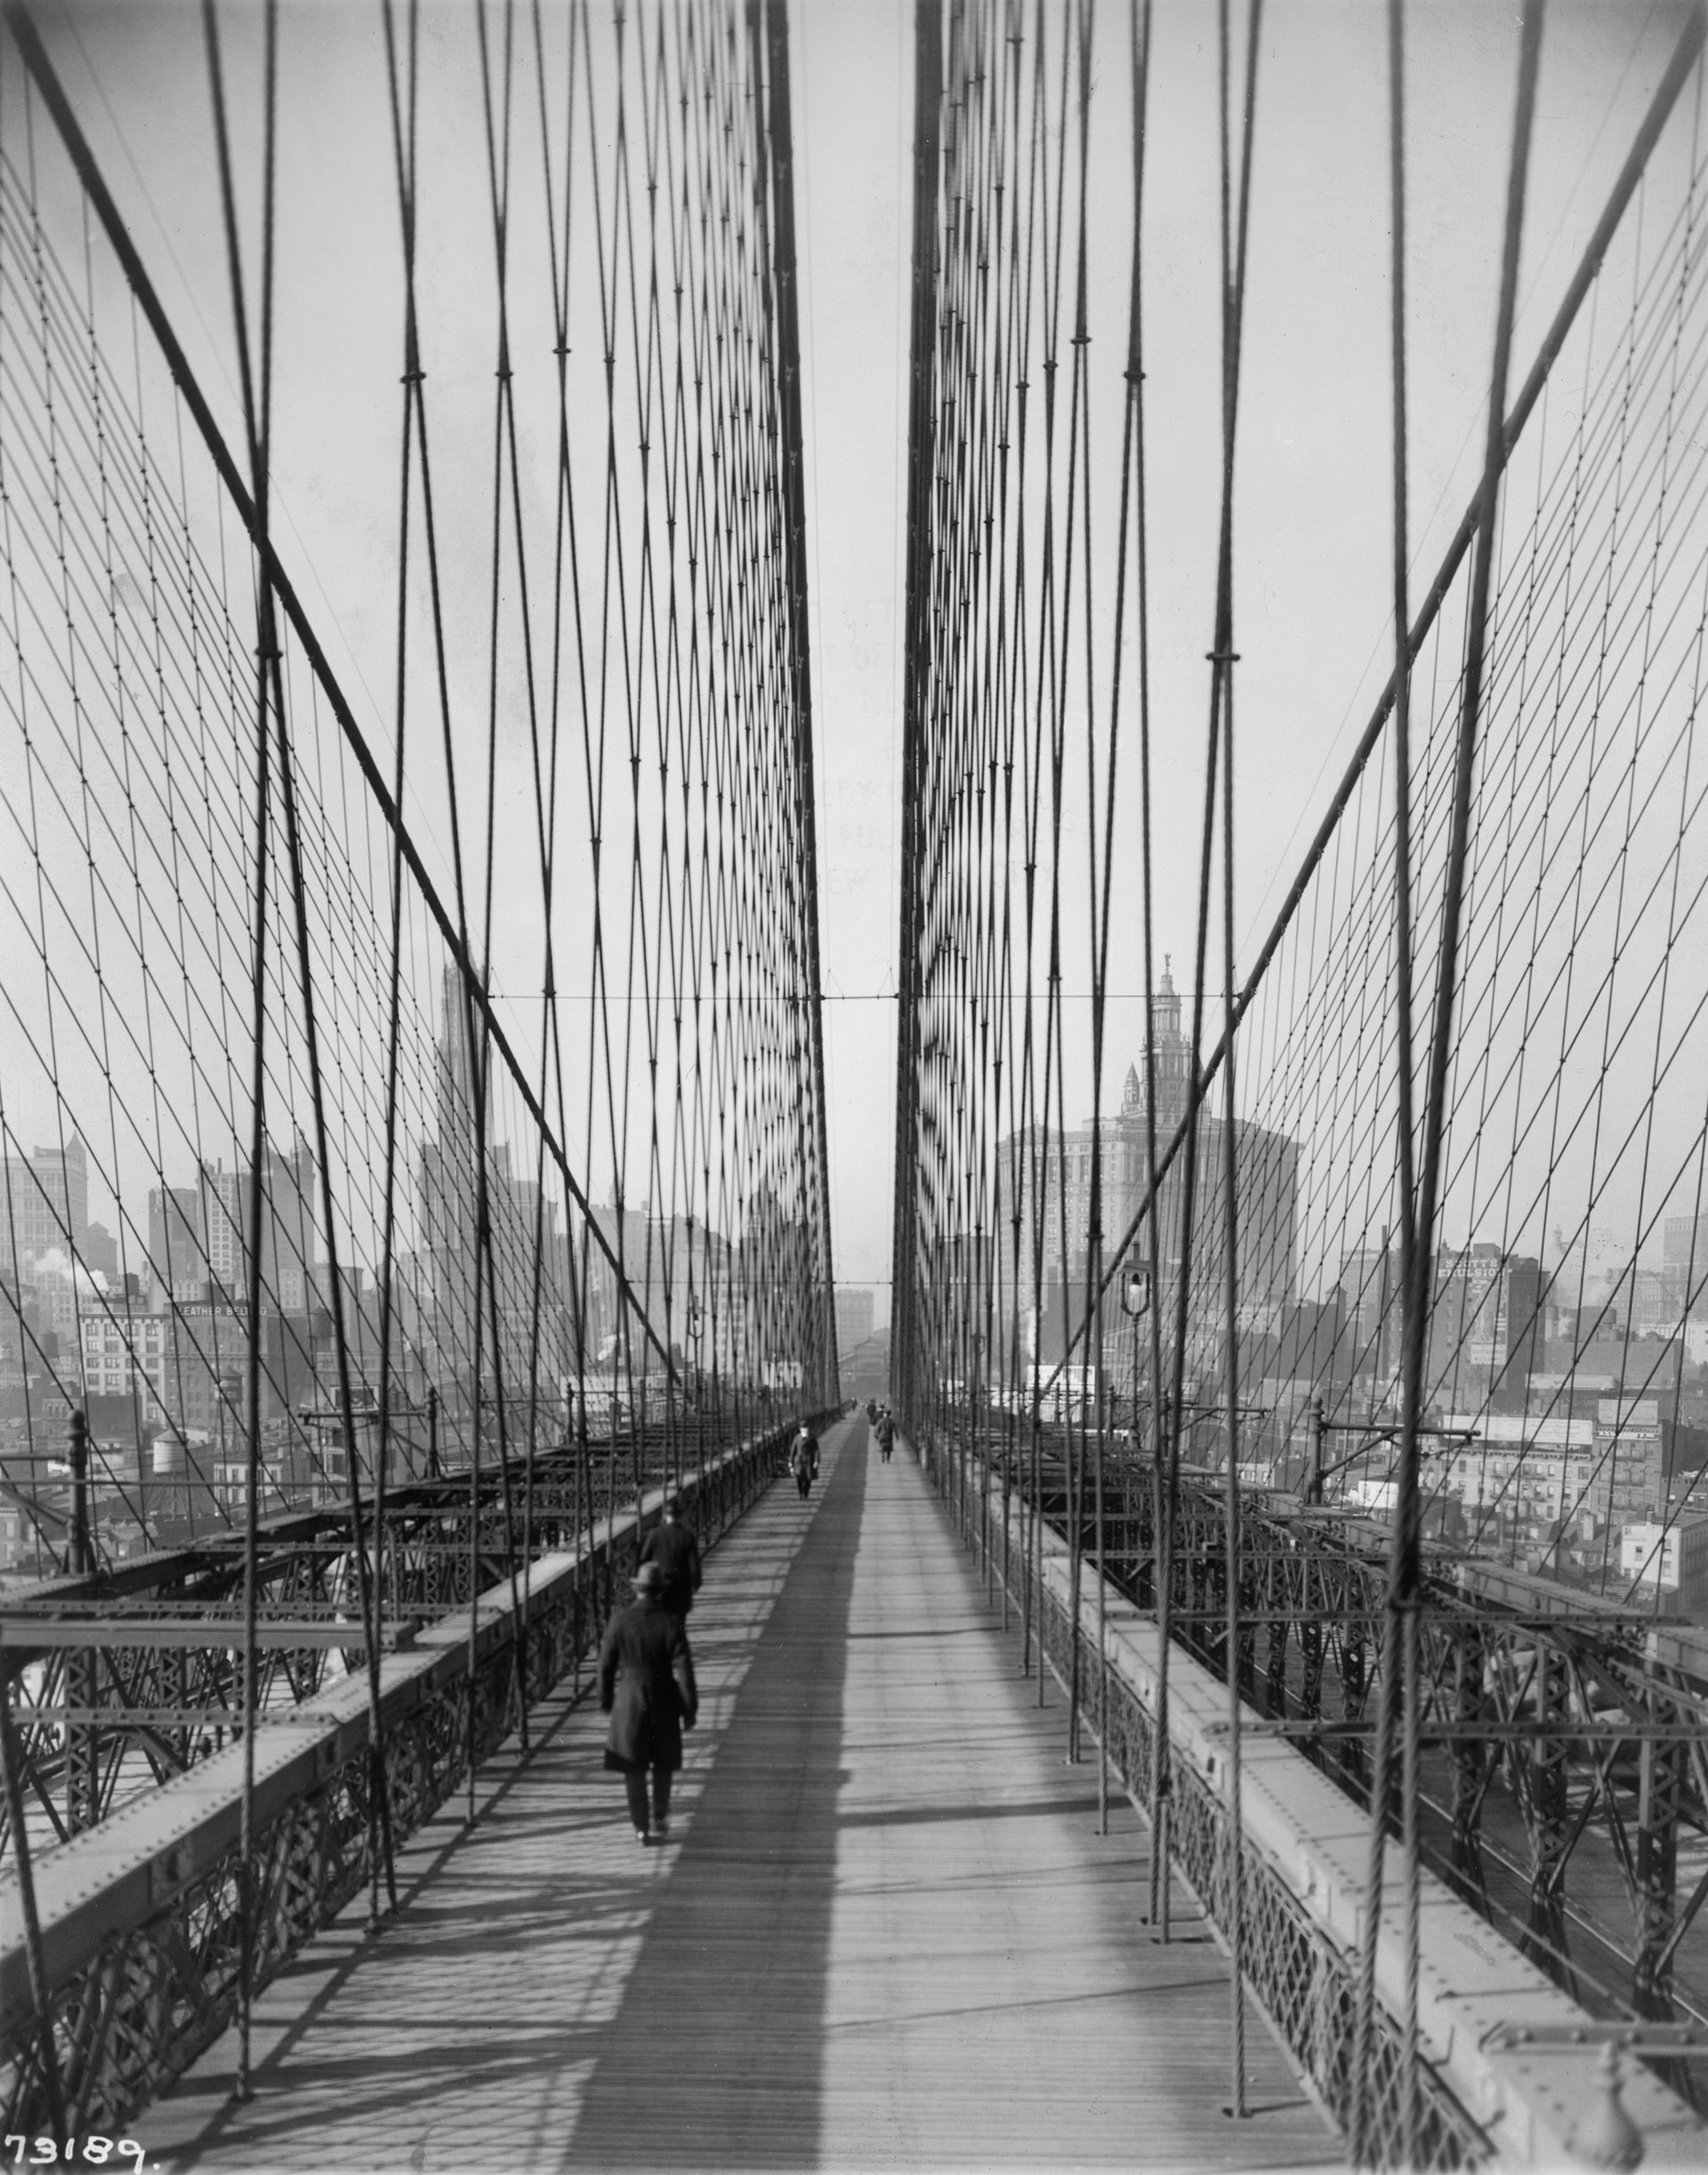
point(739, 1940)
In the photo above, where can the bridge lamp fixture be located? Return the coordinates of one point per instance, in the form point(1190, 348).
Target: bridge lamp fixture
point(1135, 1294)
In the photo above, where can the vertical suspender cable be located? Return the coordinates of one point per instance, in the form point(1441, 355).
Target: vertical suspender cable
point(248, 1884)
point(780, 143)
point(1417, 1228)
point(1233, 322)
point(504, 431)
point(1394, 1665)
point(1160, 1512)
point(404, 150)
point(252, 1406)
point(928, 93)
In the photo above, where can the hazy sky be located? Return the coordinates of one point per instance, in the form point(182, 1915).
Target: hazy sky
point(1313, 505)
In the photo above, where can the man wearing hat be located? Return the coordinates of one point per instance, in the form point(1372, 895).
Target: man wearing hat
point(803, 1460)
point(671, 1546)
point(646, 1685)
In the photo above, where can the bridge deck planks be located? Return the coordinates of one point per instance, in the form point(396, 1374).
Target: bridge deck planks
point(889, 1936)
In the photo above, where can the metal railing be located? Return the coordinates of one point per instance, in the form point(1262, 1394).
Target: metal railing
point(142, 1918)
point(1300, 1969)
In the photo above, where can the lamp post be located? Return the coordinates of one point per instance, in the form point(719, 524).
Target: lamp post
point(1135, 1304)
point(695, 1328)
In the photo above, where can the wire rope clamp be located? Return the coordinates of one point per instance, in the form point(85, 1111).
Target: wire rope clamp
point(1606, 2137)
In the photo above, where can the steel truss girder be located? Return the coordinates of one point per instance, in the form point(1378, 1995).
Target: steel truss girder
point(1588, 1720)
point(434, 1550)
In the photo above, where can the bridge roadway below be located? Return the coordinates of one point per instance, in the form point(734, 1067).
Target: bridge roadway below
point(885, 1933)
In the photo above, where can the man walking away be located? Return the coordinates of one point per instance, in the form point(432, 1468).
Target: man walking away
point(886, 1434)
point(646, 1685)
point(673, 1548)
point(803, 1460)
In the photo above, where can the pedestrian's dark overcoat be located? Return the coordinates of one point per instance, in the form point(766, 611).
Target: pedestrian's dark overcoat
point(646, 1685)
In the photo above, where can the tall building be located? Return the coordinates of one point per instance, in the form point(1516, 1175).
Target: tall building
point(446, 1174)
point(178, 1267)
point(1267, 1181)
point(454, 1317)
point(45, 1198)
point(288, 1228)
point(223, 1209)
point(1684, 1265)
point(125, 1354)
point(1369, 1290)
point(855, 1305)
point(1525, 1345)
point(1486, 1323)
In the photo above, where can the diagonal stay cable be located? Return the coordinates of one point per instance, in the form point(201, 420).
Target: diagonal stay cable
point(19, 19)
point(1685, 57)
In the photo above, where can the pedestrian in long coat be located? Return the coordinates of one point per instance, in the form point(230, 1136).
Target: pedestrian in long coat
point(673, 1548)
point(646, 1685)
point(803, 1460)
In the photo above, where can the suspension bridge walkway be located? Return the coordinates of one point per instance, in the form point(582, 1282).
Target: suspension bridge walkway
point(885, 1931)
point(415, 1128)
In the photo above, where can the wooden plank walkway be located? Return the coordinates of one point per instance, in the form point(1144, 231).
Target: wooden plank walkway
point(886, 1935)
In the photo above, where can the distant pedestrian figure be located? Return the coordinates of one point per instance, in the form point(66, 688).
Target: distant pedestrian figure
point(673, 1547)
point(886, 1435)
point(803, 1460)
point(871, 1412)
point(646, 1685)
